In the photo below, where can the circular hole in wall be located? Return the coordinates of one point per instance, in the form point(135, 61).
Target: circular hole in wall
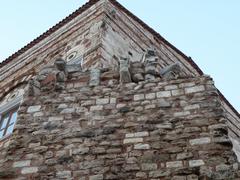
point(12, 96)
point(71, 56)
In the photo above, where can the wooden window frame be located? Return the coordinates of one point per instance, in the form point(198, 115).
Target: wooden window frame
point(8, 113)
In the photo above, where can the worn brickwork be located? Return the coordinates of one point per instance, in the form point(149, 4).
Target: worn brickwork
point(158, 129)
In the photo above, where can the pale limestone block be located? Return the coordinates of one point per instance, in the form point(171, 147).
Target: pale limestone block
point(138, 97)
point(196, 163)
point(174, 164)
point(162, 94)
point(141, 146)
point(194, 89)
point(33, 109)
point(151, 96)
point(22, 163)
point(200, 141)
point(183, 113)
point(96, 108)
point(132, 140)
point(29, 170)
point(96, 177)
point(149, 166)
point(102, 101)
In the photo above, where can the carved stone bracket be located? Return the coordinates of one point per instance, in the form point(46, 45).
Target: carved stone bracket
point(172, 71)
point(152, 65)
point(125, 76)
point(95, 77)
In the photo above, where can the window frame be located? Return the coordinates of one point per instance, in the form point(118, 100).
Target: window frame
point(11, 106)
point(9, 114)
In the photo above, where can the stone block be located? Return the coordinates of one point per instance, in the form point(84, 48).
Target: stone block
point(139, 97)
point(29, 170)
point(162, 103)
point(96, 177)
point(177, 92)
point(64, 174)
point(102, 101)
point(151, 96)
point(170, 87)
point(183, 113)
point(179, 178)
point(141, 175)
point(194, 89)
point(67, 111)
point(159, 173)
point(150, 106)
point(113, 100)
point(21, 163)
point(192, 107)
point(55, 118)
point(137, 134)
point(162, 94)
point(132, 140)
point(96, 108)
point(196, 163)
point(149, 166)
point(33, 109)
point(174, 164)
point(199, 141)
point(182, 156)
point(141, 146)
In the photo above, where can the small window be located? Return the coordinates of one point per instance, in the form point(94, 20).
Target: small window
point(7, 122)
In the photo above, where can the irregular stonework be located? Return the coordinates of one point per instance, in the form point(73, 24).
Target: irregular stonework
point(91, 115)
point(148, 130)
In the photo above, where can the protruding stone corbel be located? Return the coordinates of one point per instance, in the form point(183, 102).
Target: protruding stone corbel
point(152, 66)
point(94, 77)
point(60, 64)
point(125, 76)
point(61, 73)
point(137, 71)
point(172, 71)
point(33, 87)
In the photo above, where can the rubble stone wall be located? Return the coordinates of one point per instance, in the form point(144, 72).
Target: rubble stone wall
point(156, 129)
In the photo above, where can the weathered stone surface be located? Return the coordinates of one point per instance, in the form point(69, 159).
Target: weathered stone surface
point(94, 77)
point(29, 170)
point(33, 109)
point(125, 76)
point(172, 71)
point(21, 163)
point(132, 140)
point(196, 163)
point(130, 131)
point(174, 164)
point(200, 141)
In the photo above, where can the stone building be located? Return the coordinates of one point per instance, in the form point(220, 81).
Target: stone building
point(101, 95)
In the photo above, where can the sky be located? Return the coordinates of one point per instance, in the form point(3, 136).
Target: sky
point(208, 31)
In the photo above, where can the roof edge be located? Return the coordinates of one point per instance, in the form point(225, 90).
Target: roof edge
point(158, 36)
point(49, 32)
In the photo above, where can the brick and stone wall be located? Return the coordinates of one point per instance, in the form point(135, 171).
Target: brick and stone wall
point(134, 109)
point(153, 129)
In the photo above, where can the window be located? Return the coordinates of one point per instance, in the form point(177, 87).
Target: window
point(7, 122)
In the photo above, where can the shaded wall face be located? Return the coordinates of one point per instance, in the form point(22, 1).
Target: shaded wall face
point(158, 129)
point(125, 37)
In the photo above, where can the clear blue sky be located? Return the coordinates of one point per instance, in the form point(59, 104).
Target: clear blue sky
point(208, 31)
